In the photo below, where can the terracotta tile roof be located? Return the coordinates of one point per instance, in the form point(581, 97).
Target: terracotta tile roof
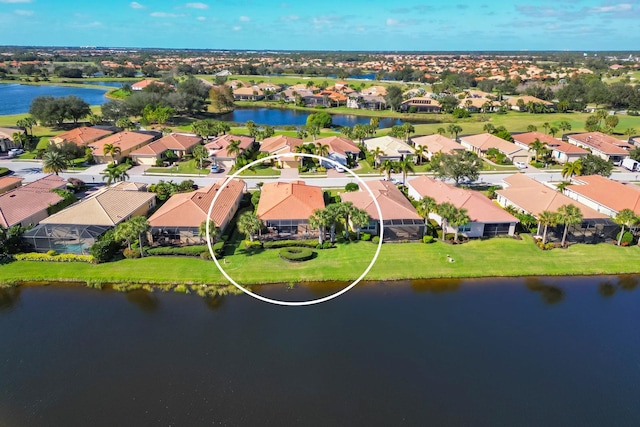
point(23, 202)
point(389, 145)
point(81, 136)
point(535, 197)
point(218, 146)
point(529, 137)
point(146, 82)
point(280, 144)
point(485, 141)
point(340, 145)
point(9, 182)
point(125, 140)
point(393, 204)
point(526, 99)
point(289, 200)
point(437, 143)
point(174, 141)
point(190, 209)
point(607, 192)
point(600, 142)
point(108, 207)
point(479, 208)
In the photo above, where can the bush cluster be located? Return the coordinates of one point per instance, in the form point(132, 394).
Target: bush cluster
point(277, 244)
point(131, 253)
point(365, 237)
point(296, 254)
point(324, 245)
point(195, 250)
point(375, 239)
point(35, 256)
point(428, 239)
point(627, 238)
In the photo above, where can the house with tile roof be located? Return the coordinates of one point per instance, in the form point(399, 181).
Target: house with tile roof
point(76, 228)
point(8, 183)
point(81, 136)
point(487, 218)
point(31, 203)
point(603, 194)
point(142, 84)
point(282, 144)
point(393, 149)
point(127, 142)
point(178, 219)
point(341, 150)
point(179, 144)
point(526, 99)
point(601, 145)
point(253, 93)
point(421, 104)
point(285, 207)
point(399, 217)
point(436, 144)
point(561, 151)
point(6, 138)
point(218, 148)
point(479, 144)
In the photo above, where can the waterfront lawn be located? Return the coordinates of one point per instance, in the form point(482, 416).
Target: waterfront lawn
point(489, 258)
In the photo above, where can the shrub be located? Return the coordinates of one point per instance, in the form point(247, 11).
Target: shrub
point(35, 256)
point(428, 239)
point(6, 259)
point(195, 250)
point(252, 245)
point(218, 250)
point(105, 248)
point(627, 238)
point(296, 254)
point(51, 252)
point(206, 255)
point(131, 253)
point(277, 244)
point(375, 239)
point(352, 186)
point(365, 237)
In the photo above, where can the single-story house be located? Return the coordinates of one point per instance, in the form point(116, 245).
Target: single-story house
point(76, 228)
point(392, 148)
point(282, 144)
point(526, 99)
point(127, 141)
point(399, 217)
point(8, 183)
point(178, 219)
point(421, 104)
point(253, 93)
point(487, 218)
point(81, 136)
point(285, 207)
point(366, 102)
point(141, 85)
point(6, 138)
point(436, 144)
point(179, 144)
point(29, 204)
point(603, 194)
point(340, 150)
point(479, 144)
point(561, 151)
point(601, 145)
point(218, 148)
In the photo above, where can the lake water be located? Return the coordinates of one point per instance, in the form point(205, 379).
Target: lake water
point(496, 352)
point(16, 98)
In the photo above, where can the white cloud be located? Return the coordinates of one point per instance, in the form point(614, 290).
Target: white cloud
point(15, 1)
point(237, 28)
point(165, 15)
point(135, 5)
point(392, 22)
point(244, 19)
point(289, 18)
point(621, 7)
point(201, 18)
point(23, 12)
point(197, 5)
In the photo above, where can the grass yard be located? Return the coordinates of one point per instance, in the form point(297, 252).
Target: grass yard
point(186, 167)
point(490, 258)
point(261, 170)
point(296, 79)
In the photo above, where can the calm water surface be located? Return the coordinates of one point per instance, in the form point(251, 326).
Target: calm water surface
point(519, 352)
point(16, 98)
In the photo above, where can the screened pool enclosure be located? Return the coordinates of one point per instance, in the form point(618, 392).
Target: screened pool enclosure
point(64, 238)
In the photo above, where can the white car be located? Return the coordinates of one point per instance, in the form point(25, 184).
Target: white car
point(520, 165)
point(339, 169)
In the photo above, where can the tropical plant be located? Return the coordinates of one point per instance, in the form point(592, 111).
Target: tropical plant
point(426, 206)
point(447, 212)
point(405, 166)
point(376, 155)
point(54, 161)
point(458, 220)
point(625, 218)
point(129, 230)
point(213, 230)
point(321, 150)
point(454, 130)
point(113, 173)
point(249, 224)
point(568, 215)
point(200, 154)
point(387, 167)
point(421, 151)
point(111, 150)
point(359, 218)
point(321, 219)
point(234, 150)
point(537, 147)
point(570, 169)
point(547, 219)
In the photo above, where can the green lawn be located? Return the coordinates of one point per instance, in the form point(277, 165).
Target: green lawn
point(486, 166)
point(261, 170)
point(186, 167)
point(296, 79)
point(490, 258)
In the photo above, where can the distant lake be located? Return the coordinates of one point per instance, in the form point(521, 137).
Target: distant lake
point(491, 352)
point(110, 84)
point(16, 98)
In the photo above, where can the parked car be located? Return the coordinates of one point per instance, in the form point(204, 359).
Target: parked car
point(340, 169)
point(215, 169)
point(15, 152)
point(520, 165)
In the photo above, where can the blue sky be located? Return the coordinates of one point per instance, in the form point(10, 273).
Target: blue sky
point(425, 25)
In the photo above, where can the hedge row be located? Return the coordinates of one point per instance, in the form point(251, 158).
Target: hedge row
point(296, 254)
point(196, 250)
point(35, 256)
point(277, 244)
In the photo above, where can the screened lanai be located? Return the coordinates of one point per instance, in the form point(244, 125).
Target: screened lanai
point(64, 238)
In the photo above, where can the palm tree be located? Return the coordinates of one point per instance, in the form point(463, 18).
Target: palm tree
point(200, 153)
point(346, 210)
point(570, 169)
point(459, 219)
point(454, 130)
point(249, 224)
point(376, 156)
point(111, 150)
point(27, 124)
point(408, 130)
point(233, 150)
point(321, 150)
point(536, 146)
point(405, 166)
point(489, 128)
point(532, 128)
point(546, 219)
point(53, 161)
point(553, 131)
point(314, 130)
point(546, 126)
point(213, 230)
point(564, 125)
point(568, 215)
point(334, 212)
point(320, 219)
point(359, 218)
point(421, 151)
point(625, 218)
point(113, 173)
point(446, 211)
point(139, 226)
point(630, 131)
point(387, 167)
point(426, 206)
point(441, 131)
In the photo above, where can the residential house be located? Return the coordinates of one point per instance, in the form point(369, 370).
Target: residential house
point(421, 104)
point(366, 102)
point(340, 150)
point(28, 205)
point(285, 207)
point(252, 93)
point(178, 219)
point(603, 194)
point(143, 84)
point(561, 151)
point(479, 144)
point(392, 148)
point(6, 138)
point(514, 103)
point(126, 141)
point(601, 145)
point(8, 183)
point(218, 148)
point(399, 217)
point(282, 144)
point(487, 218)
point(81, 136)
point(178, 144)
point(436, 144)
point(76, 228)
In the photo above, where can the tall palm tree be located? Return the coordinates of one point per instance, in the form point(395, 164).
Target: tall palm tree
point(320, 219)
point(489, 128)
point(321, 150)
point(233, 149)
point(553, 131)
point(334, 212)
point(376, 156)
point(387, 167)
point(629, 132)
point(570, 169)
point(420, 151)
point(200, 153)
point(447, 211)
point(536, 146)
point(53, 161)
point(426, 206)
point(408, 130)
point(113, 173)
point(213, 230)
point(625, 218)
point(546, 126)
point(405, 166)
point(249, 224)
point(139, 226)
point(441, 131)
point(111, 150)
point(546, 219)
point(568, 215)
point(564, 125)
point(454, 130)
point(459, 219)
point(359, 218)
